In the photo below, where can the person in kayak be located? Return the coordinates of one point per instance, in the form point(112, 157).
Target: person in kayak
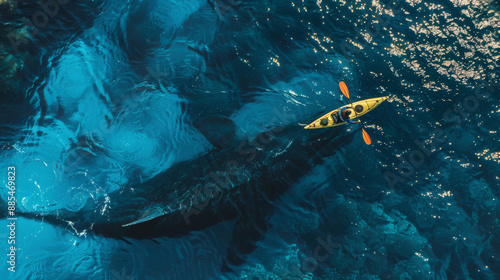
point(344, 115)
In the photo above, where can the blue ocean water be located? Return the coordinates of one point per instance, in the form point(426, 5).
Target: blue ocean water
point(116, 113)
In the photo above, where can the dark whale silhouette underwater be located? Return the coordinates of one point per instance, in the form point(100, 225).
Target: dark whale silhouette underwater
point(240, 179)
point(242, 182)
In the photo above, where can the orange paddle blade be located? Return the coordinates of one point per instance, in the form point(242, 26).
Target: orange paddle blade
point(366, 137)
point(343, 88)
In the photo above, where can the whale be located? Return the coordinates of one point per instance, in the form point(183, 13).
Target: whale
point(240, 179)
point(242, 182)
point(251, 163)
point(258, 152)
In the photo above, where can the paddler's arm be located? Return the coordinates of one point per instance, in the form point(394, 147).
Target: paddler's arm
point(351, 122)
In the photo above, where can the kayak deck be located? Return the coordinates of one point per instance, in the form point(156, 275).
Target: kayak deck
point(361, 107)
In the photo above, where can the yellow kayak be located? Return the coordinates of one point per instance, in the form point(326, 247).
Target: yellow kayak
point(362, 107)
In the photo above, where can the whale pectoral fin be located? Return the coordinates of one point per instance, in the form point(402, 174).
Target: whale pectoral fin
point(218, 130)
point(243, 242)
point(148, 215)
point(253, 222)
